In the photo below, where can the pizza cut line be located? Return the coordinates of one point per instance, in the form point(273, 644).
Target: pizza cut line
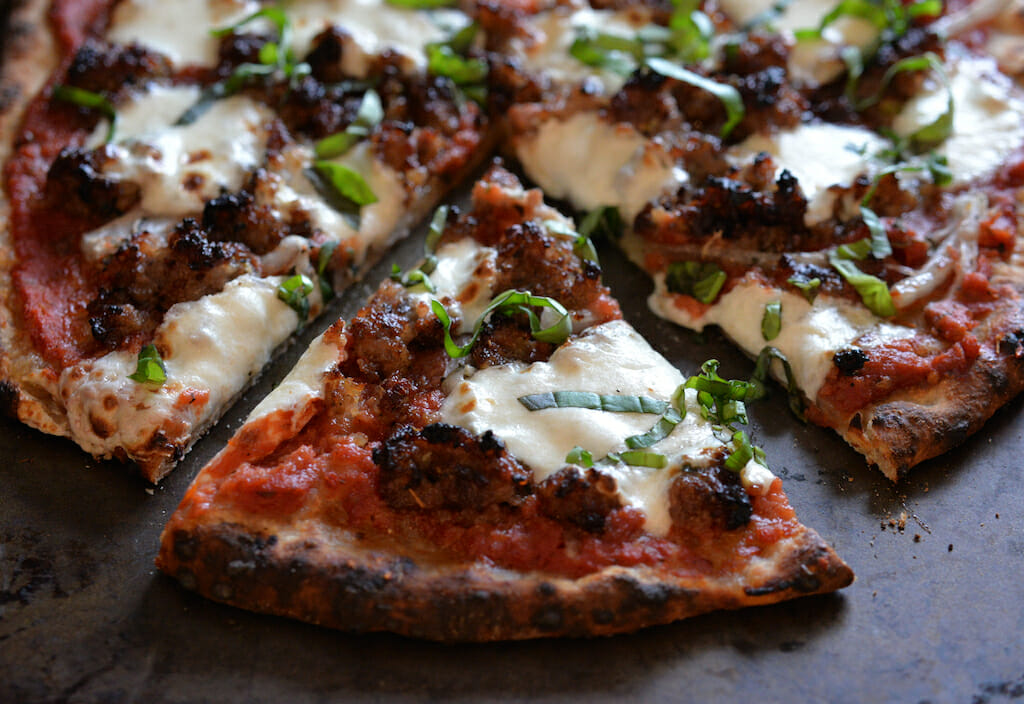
point(835, 188)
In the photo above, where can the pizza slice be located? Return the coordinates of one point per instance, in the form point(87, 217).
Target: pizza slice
point(193, 182)
point(836, 190)
point(488, 451)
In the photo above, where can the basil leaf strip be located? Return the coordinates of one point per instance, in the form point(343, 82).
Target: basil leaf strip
point(873, 291)
point(442, 60)
point(597, 402)
point(275, 14)
point(808, 287)
point(369, 115)
point(636, 458)
point(602, 222)
point(323, 258)
point(661, 430)
point(758, 389)
point(582, 246)
point(742, 454)
point(581, 457)
point(346, 182)
point(295, 292)
point(941, 127)
point(702, 280)
point(150, 368)
point(729, 96)
point(771, 321)
point(509, 300)
point(90, 100)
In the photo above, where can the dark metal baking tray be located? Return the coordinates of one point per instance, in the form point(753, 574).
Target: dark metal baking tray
point(936, 613)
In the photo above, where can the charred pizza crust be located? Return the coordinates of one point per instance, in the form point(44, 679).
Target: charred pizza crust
point(337, 581)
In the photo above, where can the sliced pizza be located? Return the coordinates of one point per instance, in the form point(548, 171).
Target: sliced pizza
point(488, 451)
point(836, 188)
point(191, 184)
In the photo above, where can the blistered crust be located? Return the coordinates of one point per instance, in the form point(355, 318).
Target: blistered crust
point(927, 421)
point(341, 583)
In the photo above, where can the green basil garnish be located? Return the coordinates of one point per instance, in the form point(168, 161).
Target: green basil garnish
point(370, 114)
point(637, 458)
point(509, 302)
point(771, 321)
point(743, 453)
point(602, 222)
point(322, 260)
point(150, 367)
point(347, 182)
point(295, 292)
point(661, 430)
point(702, 280)
point(582, 245)
point(422, 4)
point(274, 14)
point(596, 402)
point(808, 287)
point(873, 291)
point(758, 389)
point(93, 101)
point(730, 97)
point(578, 455)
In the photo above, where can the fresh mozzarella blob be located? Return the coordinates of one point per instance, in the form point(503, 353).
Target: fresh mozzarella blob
point(212, 346)
point(179, 29)
point(810, 334)
point(373, 26)
point(607, 359)
point(988, 117)
point(593, 163)
point(820, 156)
point(811, 61)
point(290, 188)
point(465, 272)
point(180, 167)
point(553, 34)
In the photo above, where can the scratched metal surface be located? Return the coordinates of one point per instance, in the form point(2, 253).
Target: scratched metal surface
point(936, 613)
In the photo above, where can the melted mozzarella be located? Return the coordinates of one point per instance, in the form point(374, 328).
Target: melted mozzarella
point(810, 334)
point(179, 29)
point(210, 353)
point(987, 117)
point(303, 383)
point(811, 61)
point(179, 168)
point(608, 359)
point(820, 156)
point(553, 33)
point(593, 163)
point(290, 189)
point(373, 27)
point(465, 273)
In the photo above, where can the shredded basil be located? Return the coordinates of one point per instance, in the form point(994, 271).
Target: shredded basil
point(730, 97)
point(509, 302)
point(758, 388)
point(637, 458)
point(90, 100)
point(598, 402)
point(295, 292)
point(873, 291)
point(941, 127)
point(274, 14)
point(661, 430)
point(422, 4)
point(743, 453)
point(413, 278)
point(323, 259)
point(150, 367)
point(771, 321)
point(369, 115)
point(581, 457)
point(602, 222)
point(808, 287)
point(346, 182)
point(702, 280)
point(582, 245)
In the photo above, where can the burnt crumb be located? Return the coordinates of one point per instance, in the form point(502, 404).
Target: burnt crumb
point(917, 537)
point(106, 68)
point(949, 548)
point(75, 185)
point(1012, 344)
point(445, 467)
point(850, 361)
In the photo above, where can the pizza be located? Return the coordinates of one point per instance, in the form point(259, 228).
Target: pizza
point(550, 476)
point(182, 195)
point(186, 185)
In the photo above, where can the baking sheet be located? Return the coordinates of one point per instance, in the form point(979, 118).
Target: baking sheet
point(936, 613)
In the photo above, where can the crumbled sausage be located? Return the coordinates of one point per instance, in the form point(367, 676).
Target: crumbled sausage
point(446, 467)
point(713, 499)
point(106, 68)
point(584, 499)
point(76, 186)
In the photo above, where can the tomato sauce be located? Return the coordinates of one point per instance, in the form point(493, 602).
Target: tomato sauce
point(49, 280)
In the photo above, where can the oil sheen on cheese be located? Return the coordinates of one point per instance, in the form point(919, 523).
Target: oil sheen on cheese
point(607, 359)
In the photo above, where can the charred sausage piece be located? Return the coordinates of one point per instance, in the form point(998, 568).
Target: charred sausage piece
point(76, 185)
point(528, 258)
point(446, 467)
point(709, 499)
point(506, 339)
point(143, 279)
point(584, 499)
point(106, 68)
point(237, 218)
